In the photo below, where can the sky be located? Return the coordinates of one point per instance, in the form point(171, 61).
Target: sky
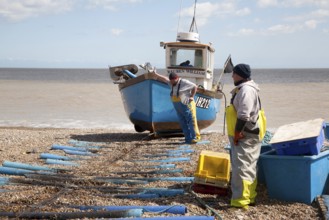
point(102, 33)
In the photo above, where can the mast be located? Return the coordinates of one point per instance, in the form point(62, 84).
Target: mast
point(193, 24)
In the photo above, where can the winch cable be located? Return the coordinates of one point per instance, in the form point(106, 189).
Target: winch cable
point(225, 105)
point(211, 210)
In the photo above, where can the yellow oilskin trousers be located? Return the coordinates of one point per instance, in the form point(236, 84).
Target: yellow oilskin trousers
point(248, 195)
point(244, 157)
point(187, 119)
point(192, 107)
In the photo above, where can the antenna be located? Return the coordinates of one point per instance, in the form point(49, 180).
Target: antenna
point(180, 10)
point(193, 24)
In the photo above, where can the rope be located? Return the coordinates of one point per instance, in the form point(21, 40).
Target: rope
point(224, 128)
point(209, 209)
point(267, 138)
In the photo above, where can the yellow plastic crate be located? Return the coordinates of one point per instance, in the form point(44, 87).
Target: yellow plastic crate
point(213, 169)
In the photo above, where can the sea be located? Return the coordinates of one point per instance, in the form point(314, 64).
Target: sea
point(87, 98)
point(102, 75)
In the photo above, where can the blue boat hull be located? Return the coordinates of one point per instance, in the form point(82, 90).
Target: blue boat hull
point(148, 105)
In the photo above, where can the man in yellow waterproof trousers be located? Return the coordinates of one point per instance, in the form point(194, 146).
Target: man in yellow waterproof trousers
point(246, 127)
point(182, 96)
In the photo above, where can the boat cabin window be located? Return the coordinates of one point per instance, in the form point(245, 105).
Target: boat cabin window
point(186, 57)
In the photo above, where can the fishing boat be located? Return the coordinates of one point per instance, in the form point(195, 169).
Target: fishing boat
point(146, 98)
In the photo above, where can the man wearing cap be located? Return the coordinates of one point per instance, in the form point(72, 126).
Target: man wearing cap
point(182, 96)
point(243, 130)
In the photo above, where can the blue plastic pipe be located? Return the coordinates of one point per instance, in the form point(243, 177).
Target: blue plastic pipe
point(203, 142)
point(138, 196)
point(81, 153)
point(144, 180)
point(62, 147)
point(152, 193)
point(175, 209)
point(5, 190)
point(173, 218)
point(74, 215)
point(84, 143)
point(161, 166)
point(162, 171)
point(26, 166)
point(169, 160)
point(55, 157)
point(169, 154)
point(4, 181)
point(167, 171)
point(18, 172)
point(124, 181)
point(130, 74)
point(164, 192)
point(183, 151)
point(61, 162)
point(184, 147)
point(170, 179)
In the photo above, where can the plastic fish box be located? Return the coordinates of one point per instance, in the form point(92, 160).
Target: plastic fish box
point(296, 178)
point(301, 138)
point(260, 172)
point(213, 168)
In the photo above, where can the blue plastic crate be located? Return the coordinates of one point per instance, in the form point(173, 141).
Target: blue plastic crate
point(260, 170)
point(303, 138)
point(307, 146)
point(296, 178)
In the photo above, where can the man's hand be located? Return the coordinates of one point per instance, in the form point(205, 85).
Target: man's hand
point(237, 136)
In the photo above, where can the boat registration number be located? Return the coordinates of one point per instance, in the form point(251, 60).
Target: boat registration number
point(202, 102)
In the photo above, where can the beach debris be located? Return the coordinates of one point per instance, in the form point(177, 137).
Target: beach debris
point(323, 203)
